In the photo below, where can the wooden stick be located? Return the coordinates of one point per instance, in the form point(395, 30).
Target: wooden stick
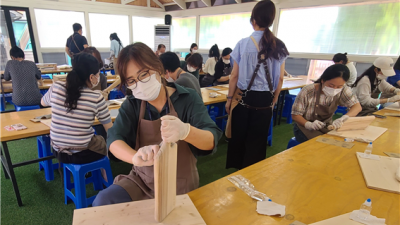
point(112, 86)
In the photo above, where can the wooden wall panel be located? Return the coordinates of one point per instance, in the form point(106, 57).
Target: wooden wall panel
point(139, 3)
point(110, 1)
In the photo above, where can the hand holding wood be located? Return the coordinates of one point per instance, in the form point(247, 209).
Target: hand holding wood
point(316, 125)
point(338, 122)
point(145, 155)
point(173, 129)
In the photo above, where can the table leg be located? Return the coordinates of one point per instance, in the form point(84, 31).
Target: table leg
point(281, 106)
point(10, 170)
point(2, 163)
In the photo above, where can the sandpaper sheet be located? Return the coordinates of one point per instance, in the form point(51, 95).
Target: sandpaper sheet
point(334, 142)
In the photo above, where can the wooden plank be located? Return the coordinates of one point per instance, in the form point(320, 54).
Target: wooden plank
point(356, 123)
point(395, 106)
point(165, 163)
point(380, 174)
point(342, 220)
point(139, 212)
point(370, 134)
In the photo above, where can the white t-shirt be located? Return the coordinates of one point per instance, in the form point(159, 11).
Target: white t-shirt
point(209, 67)
point(363, 91)
point(353, 73)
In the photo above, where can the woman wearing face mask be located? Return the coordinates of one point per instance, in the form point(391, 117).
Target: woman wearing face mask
point(223, 68)
point(178, 111)
point(316, 103)
point(193, 64)
point(256, 81)
point(372, 83)
point(74, 107)
point(209, 67)
point(193, 49)
point(103, 79)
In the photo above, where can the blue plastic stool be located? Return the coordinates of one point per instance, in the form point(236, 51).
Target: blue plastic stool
point(43, 91)
point(24, 108)
point(8, 98)
point(341, 109)
point(116, 94)
point(78, 173)
point(46, 76)
point(287, 108)
point(44, 149)
point(293, 142)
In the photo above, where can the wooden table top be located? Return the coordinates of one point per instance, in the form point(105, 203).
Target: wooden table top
point(315, 181)
point(208, 100)
point(294, 84)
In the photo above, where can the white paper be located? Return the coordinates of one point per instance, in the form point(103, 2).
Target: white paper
point(270, 208)
point(371, 156)
point(372, 220)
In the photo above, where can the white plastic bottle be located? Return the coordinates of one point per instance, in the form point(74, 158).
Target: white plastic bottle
point(365, 210)
point(368, 151)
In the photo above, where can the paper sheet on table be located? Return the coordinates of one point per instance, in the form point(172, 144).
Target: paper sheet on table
point(394, 106)
point(224, 92)
point(270, 208)
point(372, 220)
point(46, 122)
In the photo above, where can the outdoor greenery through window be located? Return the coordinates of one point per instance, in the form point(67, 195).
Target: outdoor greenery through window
point(55, 26)
point(183, 32)
point(143, 30)
point(364, 29)
point(102, 25)
point(224, 30)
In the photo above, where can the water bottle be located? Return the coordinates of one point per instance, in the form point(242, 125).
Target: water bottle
point(365, 210)
point(368, 151)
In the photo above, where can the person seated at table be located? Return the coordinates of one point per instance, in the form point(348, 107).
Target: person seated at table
point(24, 75)
point(173, 73)
point(193, 64)
point(74, 107)
point(193, 49)
point(164, 113)
point(103, 78)
point(395, 80)
point(316, 103)
point(223, 68)
point(160, 50)
point(209, 67)
point(341, 58)
point(372, 83)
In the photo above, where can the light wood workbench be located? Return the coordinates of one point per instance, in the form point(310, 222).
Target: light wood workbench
point(315, 181)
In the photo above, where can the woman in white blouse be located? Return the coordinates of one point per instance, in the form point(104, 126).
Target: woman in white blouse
point(209, 67)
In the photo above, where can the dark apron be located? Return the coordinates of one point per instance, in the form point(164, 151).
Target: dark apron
point(227, 72)
point(148, 133)
point(322, 113)
point(97, 144)
point(369, 110)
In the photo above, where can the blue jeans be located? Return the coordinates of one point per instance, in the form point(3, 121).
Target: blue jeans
point(298, 134)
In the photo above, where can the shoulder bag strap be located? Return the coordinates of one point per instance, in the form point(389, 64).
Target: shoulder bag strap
point(75, 43)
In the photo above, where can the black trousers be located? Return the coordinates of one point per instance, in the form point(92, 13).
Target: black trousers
point(248, 144)
point(82, 157)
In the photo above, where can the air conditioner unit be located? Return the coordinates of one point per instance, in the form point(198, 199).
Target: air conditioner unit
point(162, 36)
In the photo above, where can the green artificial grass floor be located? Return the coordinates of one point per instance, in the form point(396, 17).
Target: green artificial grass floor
point(44, 201)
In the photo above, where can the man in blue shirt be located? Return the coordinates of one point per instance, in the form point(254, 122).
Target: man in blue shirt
point(76, 42)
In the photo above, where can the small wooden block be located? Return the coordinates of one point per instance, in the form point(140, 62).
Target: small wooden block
point(356, 123)
point(165, 164)
point(338, 220)
point(380, 174)
point(338, 143)
point(138, 212)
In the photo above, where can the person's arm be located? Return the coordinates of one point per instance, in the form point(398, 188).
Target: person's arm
point(299, 119)
point(38, 74)
point(223, 79)
point(232, 86)
point(103, 114)
point(398, 83)
point(387, 88)
point(300, 106)
point(206, 142)
point(46, 99)
point(68, 52)
point(219, 71)
point(205, 70)
point(122, 151)
point(279, 88)
point(107, 126)
point(7, 74)
point(85, 43)
point(364, 95)
point(354, 110)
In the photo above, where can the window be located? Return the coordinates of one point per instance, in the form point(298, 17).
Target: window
point(143, 30)
point(365, 29)
point(55, 26)
point(183, 32)
point(317, 67)
point(224, 30)
point(102, 25)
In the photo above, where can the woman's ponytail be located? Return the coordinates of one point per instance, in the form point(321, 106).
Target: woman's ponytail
point(74, 85)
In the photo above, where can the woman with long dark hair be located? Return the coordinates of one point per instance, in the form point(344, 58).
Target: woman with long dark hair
point(209, 67)
point(103, 79)
point(372, 83)
point(316, 103)
point(74, 107)
point(155, 113)
point(193, 49)
point(256, 82)
point(116, 47)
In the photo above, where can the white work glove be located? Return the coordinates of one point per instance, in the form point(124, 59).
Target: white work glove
point(316, 125)
point(339, 122)
point(395, 98)
point(397, 91)
point(145, 155)
point(173, 129)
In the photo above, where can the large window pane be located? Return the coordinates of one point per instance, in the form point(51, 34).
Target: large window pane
point(224, 30)
point(55, 26)
point(183, 32)
point(102, 25)
point(366, 29)
point(143, 29)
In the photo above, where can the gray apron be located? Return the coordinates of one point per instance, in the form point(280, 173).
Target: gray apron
point(227, 72)
point(140, 182)
point(322, 113)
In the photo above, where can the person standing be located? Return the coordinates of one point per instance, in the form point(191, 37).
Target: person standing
point(340, 58)
point(160, 50)
point(193, 49)
point(76, 42)
point(209, 67)
point(24, 75)
point(223, 68)
point(115, 48)
point(257, 77)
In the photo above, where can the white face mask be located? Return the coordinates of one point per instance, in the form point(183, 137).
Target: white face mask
point(381, 77)
point(147, 91)
point(98, 81)
point(194, 51)
point(226, 61)
point(331, 91)
point(169, 79)
point(190, 69)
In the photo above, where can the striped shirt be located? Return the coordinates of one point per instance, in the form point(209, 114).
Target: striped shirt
point(304, 105)
point(74, 129)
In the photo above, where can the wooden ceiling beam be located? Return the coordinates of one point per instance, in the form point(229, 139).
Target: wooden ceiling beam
point(207, 3)
point(159, 4)
point(124, 2)
point(181, 3)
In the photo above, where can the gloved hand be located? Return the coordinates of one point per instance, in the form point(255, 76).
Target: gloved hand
point(316, 125)
point(173, 129)
point(397, 91)
point(145, 155)
point(395, 98)
point(339, 122)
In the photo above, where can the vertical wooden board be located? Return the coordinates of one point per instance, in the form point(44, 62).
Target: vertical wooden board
point(165, 164)
point(380, 174)
point(357, 123)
